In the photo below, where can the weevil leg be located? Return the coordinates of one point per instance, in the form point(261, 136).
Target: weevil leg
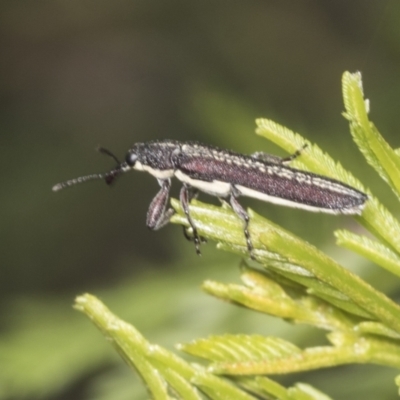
point(190, 238)
point(293, 156)
point(185, 196)
point(260, 155)
point(157, 214)
point(193, 194)
point(242, 214)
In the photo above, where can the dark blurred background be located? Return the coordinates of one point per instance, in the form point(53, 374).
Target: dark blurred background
point(77, 74)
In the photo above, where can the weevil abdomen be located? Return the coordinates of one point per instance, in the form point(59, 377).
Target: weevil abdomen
point(215, 171)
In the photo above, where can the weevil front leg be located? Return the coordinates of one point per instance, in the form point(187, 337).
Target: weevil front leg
point(157, 214)
point(260, 155)
point(185, 196)
point(242, 214)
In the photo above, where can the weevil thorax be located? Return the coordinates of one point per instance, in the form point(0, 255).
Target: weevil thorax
point(153, 157)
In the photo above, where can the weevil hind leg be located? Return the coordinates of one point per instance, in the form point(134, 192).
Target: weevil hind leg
point(157, 214)
point(293, 156)
point(193, 194)
point(242, 214)
point(260, 155)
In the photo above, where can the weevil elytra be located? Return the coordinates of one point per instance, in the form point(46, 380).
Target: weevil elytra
point(224, 174)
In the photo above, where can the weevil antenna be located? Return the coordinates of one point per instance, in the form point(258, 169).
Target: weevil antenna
point(108, 153)
point(109, 177)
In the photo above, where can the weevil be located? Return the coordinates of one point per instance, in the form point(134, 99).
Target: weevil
point(227, 174)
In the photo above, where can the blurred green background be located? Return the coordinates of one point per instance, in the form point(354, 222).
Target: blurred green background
point(76, 74)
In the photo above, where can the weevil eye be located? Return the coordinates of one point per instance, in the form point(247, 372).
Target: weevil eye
point(131, 159)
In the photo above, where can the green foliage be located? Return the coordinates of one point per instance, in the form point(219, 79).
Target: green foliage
point(292, 280)
point(169, 377)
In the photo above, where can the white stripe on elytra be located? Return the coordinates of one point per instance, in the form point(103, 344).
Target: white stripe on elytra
point(288, 203)
point(223, 189)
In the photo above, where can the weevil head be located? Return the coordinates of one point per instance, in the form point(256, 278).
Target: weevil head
point(153, 157)
point(142, 154)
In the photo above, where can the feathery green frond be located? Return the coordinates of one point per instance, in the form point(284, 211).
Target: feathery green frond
point(375, 251)
point(376, 150)
point(164, 373)
point(235, 348)
point(292, 280)
point(285, 249)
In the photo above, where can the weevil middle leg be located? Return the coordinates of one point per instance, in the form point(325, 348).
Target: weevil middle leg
point(185, 196)
point(193, 193)
point(242, 214)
